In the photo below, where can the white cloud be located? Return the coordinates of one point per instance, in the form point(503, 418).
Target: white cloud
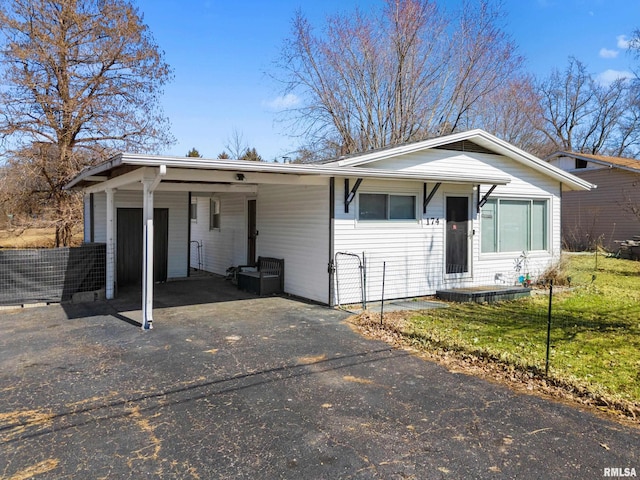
point(606, 53)
point(609, 76)
point(623, 42)
point(282, 102)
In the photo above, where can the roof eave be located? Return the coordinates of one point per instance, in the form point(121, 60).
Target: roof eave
point(105, 166)
point(302, 169)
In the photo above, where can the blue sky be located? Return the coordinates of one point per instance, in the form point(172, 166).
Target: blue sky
point(222, 53)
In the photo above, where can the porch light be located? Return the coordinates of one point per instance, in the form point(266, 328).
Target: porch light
point(240, 177)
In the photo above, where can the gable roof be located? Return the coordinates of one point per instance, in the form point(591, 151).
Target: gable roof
point(477, 141)
point(105, 174)
point(630, 164)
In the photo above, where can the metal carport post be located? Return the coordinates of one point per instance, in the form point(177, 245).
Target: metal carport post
point(149, 185)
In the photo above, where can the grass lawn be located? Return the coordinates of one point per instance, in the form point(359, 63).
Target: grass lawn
point(33, 238)
point(595, 334)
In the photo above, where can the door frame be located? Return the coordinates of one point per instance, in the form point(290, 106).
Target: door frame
point(449, 277)
point(250, 240)
point(160, 241)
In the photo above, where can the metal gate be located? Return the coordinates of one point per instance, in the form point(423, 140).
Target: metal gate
point(350, 280)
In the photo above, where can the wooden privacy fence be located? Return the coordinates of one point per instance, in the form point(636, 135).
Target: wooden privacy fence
point(51, 275)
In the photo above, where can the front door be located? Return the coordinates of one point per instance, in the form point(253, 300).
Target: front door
point(130, 248)
point(457, 237)
point(252, 232)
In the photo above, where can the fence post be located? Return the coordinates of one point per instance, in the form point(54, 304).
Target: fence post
point(364, 282)
point(384, 272)
point(546, 367)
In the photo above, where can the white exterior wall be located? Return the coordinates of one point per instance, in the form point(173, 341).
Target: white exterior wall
point(225, 246)
point(414, 251)
point(86, 218)
point(293, 223)
point(568, 164)
point(100, 217)
point(176, 202)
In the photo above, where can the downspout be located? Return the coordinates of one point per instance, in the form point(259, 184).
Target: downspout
point(149, 186)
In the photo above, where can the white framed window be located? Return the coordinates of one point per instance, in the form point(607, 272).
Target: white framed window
point(214, 213)
point(383, 206)
point(193, 211)
point(510, 225)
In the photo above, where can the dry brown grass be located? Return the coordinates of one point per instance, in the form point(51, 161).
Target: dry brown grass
point(33, 238)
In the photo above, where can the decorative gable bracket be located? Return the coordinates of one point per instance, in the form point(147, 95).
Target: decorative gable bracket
point(427, 198)
point(483, 200)
point(350, 195)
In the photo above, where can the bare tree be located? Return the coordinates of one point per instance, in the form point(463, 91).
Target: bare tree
point(483, 59)
point(81, 79)
point(629, 125)
point(401, 74)
point(566, 99)
point(512, 113)
point(236, 144)
point(581, 115)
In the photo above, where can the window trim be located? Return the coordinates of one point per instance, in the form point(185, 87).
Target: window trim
point(388, 195)
point(193, 210)
point(213, 201)
point(531, 201)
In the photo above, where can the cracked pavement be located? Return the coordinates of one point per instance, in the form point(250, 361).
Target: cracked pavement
point(266, 388)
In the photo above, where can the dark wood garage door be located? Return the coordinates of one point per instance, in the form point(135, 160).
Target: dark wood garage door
point(129, 250)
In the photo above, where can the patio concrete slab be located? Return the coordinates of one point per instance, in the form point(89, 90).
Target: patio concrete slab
point(247, 387)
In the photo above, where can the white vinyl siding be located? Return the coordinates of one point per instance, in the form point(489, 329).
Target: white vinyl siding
point(412, 250)
point(87, 217)
point(293, 223)
point(220, 248)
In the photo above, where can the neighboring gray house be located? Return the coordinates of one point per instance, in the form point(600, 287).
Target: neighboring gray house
point(450, 211)
point(605, 214)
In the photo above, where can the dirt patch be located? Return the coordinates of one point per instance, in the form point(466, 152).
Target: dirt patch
point(492, 369)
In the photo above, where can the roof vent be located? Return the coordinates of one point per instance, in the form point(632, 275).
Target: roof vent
point(466, 146)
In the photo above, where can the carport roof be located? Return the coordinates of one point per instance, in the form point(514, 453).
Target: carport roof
point(126, 162)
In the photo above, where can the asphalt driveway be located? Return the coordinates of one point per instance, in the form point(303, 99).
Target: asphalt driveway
point(266, 388)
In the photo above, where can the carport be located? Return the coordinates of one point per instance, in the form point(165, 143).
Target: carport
point(127, 174)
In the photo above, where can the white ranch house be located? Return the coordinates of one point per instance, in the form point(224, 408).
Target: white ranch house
point(455, 210)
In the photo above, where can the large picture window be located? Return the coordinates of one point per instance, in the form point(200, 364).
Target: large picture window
point(381, 206)
point(514, 225)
